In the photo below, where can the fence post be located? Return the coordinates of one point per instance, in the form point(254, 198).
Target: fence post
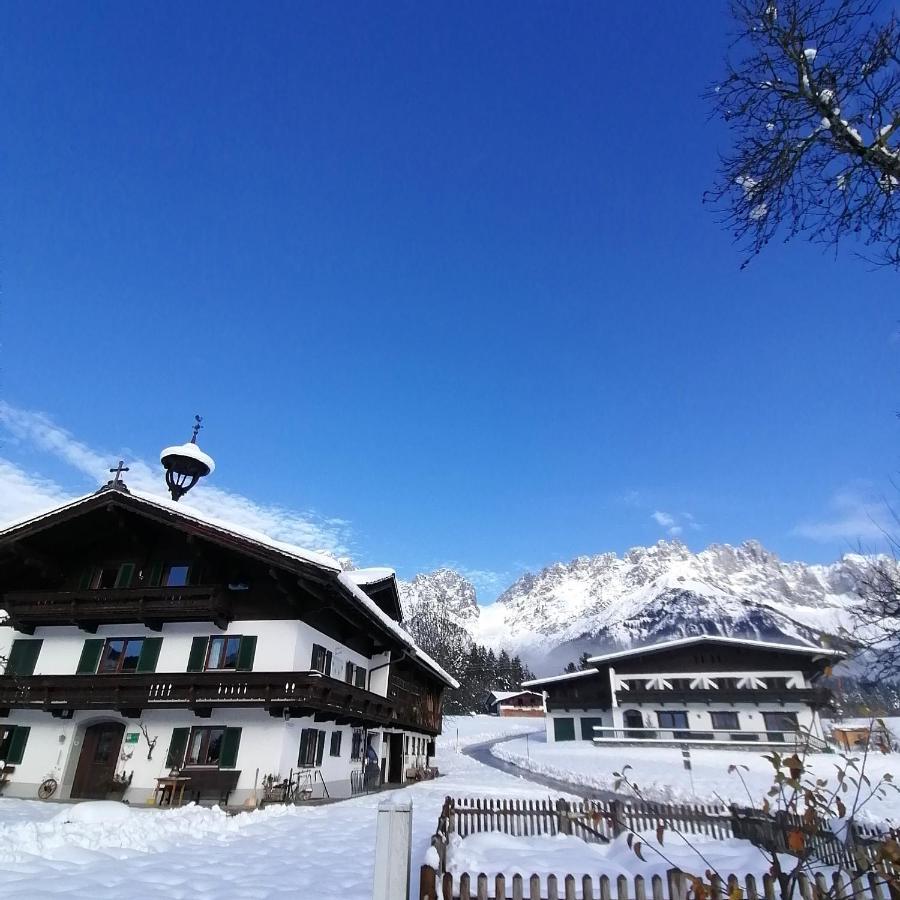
point(565, 823)
point(615, 817)
point(393, 846)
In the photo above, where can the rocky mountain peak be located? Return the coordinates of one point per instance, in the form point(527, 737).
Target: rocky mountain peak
point(443, 592)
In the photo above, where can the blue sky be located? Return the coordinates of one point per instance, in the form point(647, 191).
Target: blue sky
point(438, 277)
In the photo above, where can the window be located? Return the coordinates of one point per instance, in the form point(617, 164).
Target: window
point(777, 723)
point(12, 743)
point(356, 747)
point(335, 749)
point(725, 721)
point(219, 652)
point(312, 747)
point(564, 729)
point(223, 652)
point(120, 655)
point(104, 578)
point(321, 660)
point(204, 747)
point(177, 576)
point(675, 719)
point(348, 672)
point(360, 678)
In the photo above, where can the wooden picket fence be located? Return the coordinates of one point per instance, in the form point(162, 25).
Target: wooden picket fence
point(675, 886)
point(598, 821)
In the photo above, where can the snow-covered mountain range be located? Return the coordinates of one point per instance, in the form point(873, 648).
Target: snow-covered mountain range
point(648, 594)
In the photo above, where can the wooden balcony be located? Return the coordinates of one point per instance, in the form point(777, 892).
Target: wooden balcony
point(87, 609)
point(296, 693)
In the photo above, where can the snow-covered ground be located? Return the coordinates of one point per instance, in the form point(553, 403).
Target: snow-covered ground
point(560, 854)
point(325, 851)
point(660, 775)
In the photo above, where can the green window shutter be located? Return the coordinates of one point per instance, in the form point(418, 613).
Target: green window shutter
point(304, 747)
point(90, 656)
point(17, 744)
point(328, 658)
point(126, 573)
point(360, 680)
point(198, 654)
point(23, 657)
point(320, 748)
point(231, 741)
point(85, 581)
point(177, 746)
point(154, 576)
point(246, 653)
point(149, 655)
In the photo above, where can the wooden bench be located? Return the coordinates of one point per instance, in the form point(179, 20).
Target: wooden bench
point(215, 784)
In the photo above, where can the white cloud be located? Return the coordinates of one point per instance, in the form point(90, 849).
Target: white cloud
point(674, 524)
point(855, 513)
point(24, 493)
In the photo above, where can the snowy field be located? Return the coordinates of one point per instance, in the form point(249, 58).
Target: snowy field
point(660, 775)
point(326, 851)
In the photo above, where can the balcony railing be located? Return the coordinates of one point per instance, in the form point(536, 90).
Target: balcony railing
point(817, 696)
point(300, 693)
point(735, 736)
point(89, 608)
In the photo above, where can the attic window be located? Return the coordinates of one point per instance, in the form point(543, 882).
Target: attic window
point(108, 577)
point(177, 576)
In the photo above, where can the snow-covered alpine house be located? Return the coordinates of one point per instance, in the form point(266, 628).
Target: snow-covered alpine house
point(695, 690)
point(146, 641)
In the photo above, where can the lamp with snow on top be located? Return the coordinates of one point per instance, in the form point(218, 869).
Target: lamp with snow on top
point(185, 464)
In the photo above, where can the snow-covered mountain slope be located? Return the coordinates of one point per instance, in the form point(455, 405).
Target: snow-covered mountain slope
point(651, 593)
point(444, 593)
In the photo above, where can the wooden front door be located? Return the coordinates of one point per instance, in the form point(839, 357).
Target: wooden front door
point(97, 762)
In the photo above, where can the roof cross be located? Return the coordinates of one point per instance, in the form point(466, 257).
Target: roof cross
point(117, 472)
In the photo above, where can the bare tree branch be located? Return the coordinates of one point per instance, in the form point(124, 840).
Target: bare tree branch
point(812, 96)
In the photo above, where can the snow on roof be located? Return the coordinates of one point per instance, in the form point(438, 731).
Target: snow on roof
point(370, 576)
point(193, 451)
point(538, 681)
point(500, 696)
point(414, 651)
point(714, 638)
point(247, 534)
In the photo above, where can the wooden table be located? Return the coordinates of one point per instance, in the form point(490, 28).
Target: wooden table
point(167, 786)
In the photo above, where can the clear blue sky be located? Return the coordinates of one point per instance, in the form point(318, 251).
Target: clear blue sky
point(441, 271)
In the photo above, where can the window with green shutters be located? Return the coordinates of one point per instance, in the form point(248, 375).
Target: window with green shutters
point(234, 652)
point(23, 657)
point(119, 656)
point(312, 747)
point(206, 745)
point(13, 739)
